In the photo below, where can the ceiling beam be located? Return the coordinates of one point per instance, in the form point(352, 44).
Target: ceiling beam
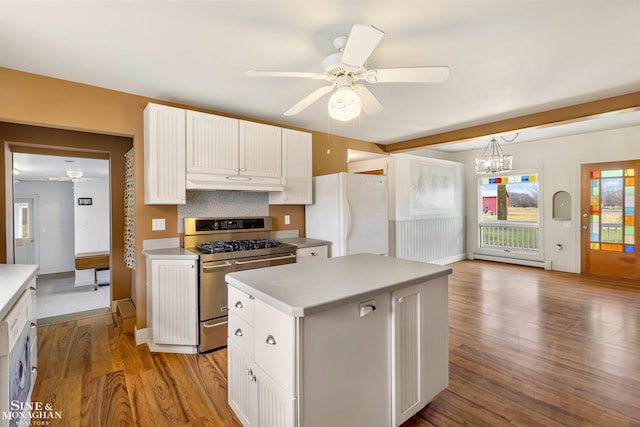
point(545, 118)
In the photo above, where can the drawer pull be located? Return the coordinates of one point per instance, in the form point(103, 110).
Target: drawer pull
point(238, 332)
point(239, 304)
point(314, 253)
point(271, 340)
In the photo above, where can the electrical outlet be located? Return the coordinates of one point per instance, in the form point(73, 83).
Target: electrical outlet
point(287, 219)
point(157, 224)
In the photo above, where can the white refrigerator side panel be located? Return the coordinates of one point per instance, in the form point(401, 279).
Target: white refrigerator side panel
point(367, 222)
point(324, 218)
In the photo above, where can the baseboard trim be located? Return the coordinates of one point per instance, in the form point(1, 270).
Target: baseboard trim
point(518, 261)
point(449, 260)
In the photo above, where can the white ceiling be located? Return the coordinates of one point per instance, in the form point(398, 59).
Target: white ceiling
point(36, 167)
point(507, 57)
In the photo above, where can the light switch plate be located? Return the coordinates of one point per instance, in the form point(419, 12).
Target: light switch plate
point(157, 224)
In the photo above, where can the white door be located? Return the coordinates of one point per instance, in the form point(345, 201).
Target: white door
point(367, 214)
point(25, 244)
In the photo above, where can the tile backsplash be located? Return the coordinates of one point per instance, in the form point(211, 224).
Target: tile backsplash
point(222, 203)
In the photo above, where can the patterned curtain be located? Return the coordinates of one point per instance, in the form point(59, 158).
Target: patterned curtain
point(129, 213)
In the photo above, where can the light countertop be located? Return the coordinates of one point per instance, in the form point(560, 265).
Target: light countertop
point(305, 288)
point(303, 242)
point(14, 278)
point(171, 253)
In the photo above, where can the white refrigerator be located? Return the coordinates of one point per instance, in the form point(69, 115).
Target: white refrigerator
point(350, 211)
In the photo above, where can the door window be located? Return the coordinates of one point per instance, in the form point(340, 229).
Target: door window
point(612, 210)
point(21, 218)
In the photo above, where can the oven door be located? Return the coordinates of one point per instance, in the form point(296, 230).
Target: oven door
point(213, 288)
point(249, 263)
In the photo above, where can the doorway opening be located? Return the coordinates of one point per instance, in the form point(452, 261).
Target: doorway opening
point(62, 223)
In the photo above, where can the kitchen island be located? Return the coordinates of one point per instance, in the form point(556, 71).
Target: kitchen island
point(359, 340)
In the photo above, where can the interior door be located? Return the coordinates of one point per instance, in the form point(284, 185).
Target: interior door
point(24, 230)
point(609, 201)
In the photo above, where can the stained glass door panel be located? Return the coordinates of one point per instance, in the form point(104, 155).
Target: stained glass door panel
point(609, 232)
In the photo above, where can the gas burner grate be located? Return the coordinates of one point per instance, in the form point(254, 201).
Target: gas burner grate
point(237, 245)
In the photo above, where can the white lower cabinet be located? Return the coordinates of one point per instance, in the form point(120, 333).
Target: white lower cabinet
point(418, 332)
point(256, 399)
point(260, 357)
point(312, 252)
point(173, 298)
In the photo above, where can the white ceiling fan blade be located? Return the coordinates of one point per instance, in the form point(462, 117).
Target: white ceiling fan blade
point(259, 73)
point(408, 75)
point(310, 99)
point(362, 40)
point(370, 103)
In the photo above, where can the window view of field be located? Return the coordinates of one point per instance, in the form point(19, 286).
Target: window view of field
point(521, 202)
point(513, 208)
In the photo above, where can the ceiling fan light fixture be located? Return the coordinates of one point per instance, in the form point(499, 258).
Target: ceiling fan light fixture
point(344, 104)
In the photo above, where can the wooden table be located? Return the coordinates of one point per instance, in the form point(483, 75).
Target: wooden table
point(97, 261)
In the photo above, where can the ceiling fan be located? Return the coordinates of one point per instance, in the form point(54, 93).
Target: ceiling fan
point(73, 176)
point(346, 68)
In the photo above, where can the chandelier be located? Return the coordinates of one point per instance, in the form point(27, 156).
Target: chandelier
point(493, 159)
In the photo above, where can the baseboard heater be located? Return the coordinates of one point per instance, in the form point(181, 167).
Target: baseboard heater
point(509, 260)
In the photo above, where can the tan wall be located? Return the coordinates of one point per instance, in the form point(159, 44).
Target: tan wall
point(51, 103)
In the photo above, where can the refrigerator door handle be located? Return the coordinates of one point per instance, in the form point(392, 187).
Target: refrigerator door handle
point(348, 234)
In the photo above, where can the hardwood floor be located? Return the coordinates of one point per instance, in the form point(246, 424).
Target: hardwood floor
point(528, 347)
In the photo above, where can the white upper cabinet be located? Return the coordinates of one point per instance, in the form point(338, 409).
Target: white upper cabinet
point(231, 154)
point(164, 155)
point(260, 150)
point(186, 149)
point(296, 169)
point(212, 144)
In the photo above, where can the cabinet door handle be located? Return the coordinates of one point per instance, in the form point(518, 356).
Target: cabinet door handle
point(239, 304)
point(34, 325)
point(271, 340)
point(249, 371)
point(238, 332)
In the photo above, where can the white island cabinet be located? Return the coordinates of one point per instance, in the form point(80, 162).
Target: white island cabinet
point(359, 340)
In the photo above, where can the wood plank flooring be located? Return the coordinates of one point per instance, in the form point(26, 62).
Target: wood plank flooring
point(528, 347)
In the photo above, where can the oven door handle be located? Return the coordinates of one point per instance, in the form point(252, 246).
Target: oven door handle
point(214, 267)
point(265, 259)
point(207, 325)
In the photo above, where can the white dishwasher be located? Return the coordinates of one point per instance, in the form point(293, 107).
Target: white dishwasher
point(17, 369)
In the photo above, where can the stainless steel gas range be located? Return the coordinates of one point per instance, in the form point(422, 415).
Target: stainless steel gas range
point(226, 245)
